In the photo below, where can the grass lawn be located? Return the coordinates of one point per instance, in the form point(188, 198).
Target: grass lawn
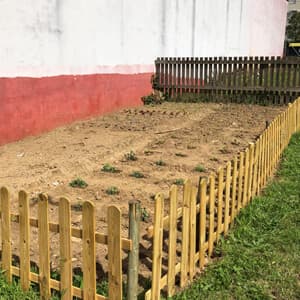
point(260, 258)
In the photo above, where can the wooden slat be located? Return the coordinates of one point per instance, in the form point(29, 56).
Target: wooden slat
point(202, 240)
point(192, 242)
point(220, 202)
point(250, 176)
point(114, 253)
point(64, 214)
point(245, 191)
point(234, 190)
point(88, 250)
point(255, 168)
point(240, 181)
point(24, 241)
point(6, 234)
point(212, 199)
point(172, 240)
point(185, 233)
point(157, 247)
point(44, 257)
point(227, 197)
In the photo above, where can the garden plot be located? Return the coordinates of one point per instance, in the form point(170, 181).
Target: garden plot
point(131, 154)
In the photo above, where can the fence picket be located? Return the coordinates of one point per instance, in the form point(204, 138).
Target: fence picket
point(43, 230)
point(64, 215)
point(227, 197)
point(24, 241)
point(114, 253)
point(220, 202)
point(89, 251)
point(172, 240)
point(203, 198)
point(212, 199)
point(192, 232)
point(6, 233)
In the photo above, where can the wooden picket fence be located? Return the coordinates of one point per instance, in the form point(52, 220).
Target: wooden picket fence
point(87, 236)
point(267, 80)
point(186, 236)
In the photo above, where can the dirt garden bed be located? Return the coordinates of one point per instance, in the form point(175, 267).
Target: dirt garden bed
point(170, 142)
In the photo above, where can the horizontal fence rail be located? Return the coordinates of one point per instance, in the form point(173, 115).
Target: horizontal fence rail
point(207, 212)
point(272, 80)
point(87, 236)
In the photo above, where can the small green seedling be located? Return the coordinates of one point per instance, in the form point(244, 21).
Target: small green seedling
point(144, 215)
point(109, 169)
point(113, 190)
point(137, 174)
point(179, 181)
point(160, 163)
point(130, 156)
point(199, 168)
point(78, 183)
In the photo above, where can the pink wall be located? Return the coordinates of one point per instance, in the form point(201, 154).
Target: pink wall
point(30, 106)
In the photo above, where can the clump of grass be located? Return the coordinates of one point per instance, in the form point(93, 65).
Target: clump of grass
point(179, 181)
point(137, 174)
point(78, 183)
point(112, 190)
point(160, 163)
point(179, 154)
point(199, 168)
point(109, 169)
point(130, 156)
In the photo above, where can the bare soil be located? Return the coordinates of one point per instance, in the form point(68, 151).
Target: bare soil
point(180, 135)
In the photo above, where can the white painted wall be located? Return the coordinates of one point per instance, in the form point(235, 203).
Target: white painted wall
point(52, 37)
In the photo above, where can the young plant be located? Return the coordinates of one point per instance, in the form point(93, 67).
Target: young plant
point(130, 156)
point(160, 163)
point(199, 168)
point(109, 169)
point(137, 174)
point(144, 215)
point(179, 181)
point(78, 183)
point(113, 190)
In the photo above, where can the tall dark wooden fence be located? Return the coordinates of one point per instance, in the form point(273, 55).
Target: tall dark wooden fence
point(257, 79)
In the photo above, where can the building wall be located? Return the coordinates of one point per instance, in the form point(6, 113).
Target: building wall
point(62, 60)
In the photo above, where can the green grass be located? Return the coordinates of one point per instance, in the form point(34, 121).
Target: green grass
point(260, 259)
point(179, 181)
point(14, 292)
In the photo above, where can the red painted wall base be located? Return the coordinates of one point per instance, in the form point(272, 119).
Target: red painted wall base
point(30, 106)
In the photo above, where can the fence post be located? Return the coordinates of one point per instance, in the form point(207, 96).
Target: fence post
point(133, 257)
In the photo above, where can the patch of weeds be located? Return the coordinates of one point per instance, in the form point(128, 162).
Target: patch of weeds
point(160, 163)
point(78, 183)
point(145, 215)
point(199, 168)
point(179, 181)
point(113, 190)
point(137, 174)
point(102, 288)
point(130, 156)
point(109, 169)
point(179, 154)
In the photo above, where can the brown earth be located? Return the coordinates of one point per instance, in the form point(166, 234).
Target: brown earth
point(181, 135)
